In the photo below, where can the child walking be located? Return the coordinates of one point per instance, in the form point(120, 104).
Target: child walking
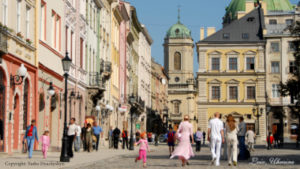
point(143, 149)
point(45, 143)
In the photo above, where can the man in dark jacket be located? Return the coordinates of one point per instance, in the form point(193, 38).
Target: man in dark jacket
point(116, 136)
point(83, 132)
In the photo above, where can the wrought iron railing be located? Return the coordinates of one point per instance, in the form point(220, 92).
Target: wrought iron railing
point(95, 80)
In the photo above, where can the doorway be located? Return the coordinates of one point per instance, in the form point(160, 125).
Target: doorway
point(16, 122)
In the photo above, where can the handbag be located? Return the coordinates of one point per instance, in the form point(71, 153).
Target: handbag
point(24, 147)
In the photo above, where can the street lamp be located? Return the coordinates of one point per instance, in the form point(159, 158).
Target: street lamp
point(66, 63)
point(51, 90)
point(257, 113)
point(18, 79)
point(132, 100)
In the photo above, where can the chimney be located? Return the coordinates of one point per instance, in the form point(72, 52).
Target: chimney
point(202, 33)
point(249, 6)
point(210, 31)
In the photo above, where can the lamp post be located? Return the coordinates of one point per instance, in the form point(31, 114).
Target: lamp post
point(66, 62)
point(18, 79)
point(257, 113)
point(132, 110)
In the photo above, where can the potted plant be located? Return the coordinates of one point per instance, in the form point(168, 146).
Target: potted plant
point(28, 41)
point(19, 34)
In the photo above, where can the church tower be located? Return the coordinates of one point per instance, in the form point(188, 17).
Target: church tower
point(178, 63)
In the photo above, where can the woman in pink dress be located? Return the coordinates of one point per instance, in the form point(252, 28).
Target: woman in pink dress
point(45, 143)
point(184, 149)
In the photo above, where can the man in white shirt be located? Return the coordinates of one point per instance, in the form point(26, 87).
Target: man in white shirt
point(77, 139)
point(215, 136)
point(250, 135)
point(71, 136)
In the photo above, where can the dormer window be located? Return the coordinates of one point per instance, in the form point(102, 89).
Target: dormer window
point(226, 36)
point(250, 19)
point(245, 35)
point(177, 31)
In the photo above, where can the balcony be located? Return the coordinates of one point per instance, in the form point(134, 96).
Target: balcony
point(3, 40)
point(176, 116)
point(105, 69)
point(95, 81)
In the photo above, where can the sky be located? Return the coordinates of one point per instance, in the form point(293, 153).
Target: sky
point(159, 15)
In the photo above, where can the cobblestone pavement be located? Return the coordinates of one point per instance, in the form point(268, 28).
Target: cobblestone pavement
point(158, 159)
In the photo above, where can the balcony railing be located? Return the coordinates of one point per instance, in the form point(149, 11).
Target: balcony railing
point(3, 40)
point(95, 80)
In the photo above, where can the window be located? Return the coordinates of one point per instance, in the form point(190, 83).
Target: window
point(215, 92)
point(233, 92)
point(177, 61)
point(27, 21)
point(292, 67)
point(275, 67)
point(274, 46)
point(292, 47)
point(4, 12)
point(275, 91)
point(81, 53)
point(250, 19)
point(273, 22)
point(56, 32)
point(226, 36)
point(176, 107)
point(250, 92)
point(18, 16)
point(245, 35)
point(43, 21)
point(66, 38)
point(71, 44)
point(215, 63)
point(232, 63)
point(289, 21)
point(250, 63)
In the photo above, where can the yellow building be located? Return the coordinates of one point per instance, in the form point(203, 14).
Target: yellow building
point(231, 75)
point(116, 19)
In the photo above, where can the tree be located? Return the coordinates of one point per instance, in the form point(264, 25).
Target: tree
point(292, 86)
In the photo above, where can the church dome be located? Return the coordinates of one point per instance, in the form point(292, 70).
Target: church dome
point(272, 5)
point(178, 30)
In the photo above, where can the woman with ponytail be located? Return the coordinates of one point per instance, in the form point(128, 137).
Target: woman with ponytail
point(232, 141)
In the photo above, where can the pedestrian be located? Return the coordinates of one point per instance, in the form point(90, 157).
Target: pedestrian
point(71, 136)
point(30, 136)
point(215, 135)
point(110, 137)
point(149, 135)
point(171, 140)
point(125, 138)
point(77, 138)
point(116, 136)
point(232, 141)
point(198, 138)
point(250, 136)
point(276, 139)
point(97, 131)
point(45, 143)
point(83, 134)
point(137, 136)
point(270, 140)
point(204, 134)
point(184, 149)
point(144, 147)
point(241, 137)
point(89, 137)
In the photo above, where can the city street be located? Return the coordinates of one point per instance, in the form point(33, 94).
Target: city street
point(158, 158)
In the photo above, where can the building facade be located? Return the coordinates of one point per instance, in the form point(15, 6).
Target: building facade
point(231, 75)
point(18, 93)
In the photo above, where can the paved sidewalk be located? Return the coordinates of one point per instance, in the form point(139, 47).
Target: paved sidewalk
point(81, 159)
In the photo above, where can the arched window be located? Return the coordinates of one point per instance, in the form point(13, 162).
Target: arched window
point(177, 61)
point(25, 104)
